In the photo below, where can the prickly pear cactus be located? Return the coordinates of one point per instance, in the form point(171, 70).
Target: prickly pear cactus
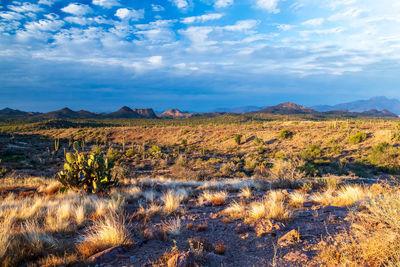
point(89, 172)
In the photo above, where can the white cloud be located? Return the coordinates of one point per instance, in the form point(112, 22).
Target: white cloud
point(336, 30)
point(347, 14)
point(26, 7)
point(106, 3)
point(129, 14)
point(285, 27)
point(155, 60)
point(198, 36)
point(269, 5)
point(335, 4)
point(181, 4)
point(202, 18)
point(52, 16)
point(44, 25)
point(156, 32)
point(77, 9)
point(223, 3)
point(46, 2)
point(77, 20)
point(242, 25)
point(157, 8)
point(313, 22)
point(9, 15)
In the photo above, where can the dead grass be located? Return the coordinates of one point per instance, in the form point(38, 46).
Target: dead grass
point(54, 260)
point(297, 199)
point(172, 201)
point(245, 192)
point(273, 206)
point(215, 198)
point(103, 234)
point(345, 196)
point(373, 238)
point(172, 227)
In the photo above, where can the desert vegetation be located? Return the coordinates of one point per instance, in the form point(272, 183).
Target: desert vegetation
point(231, 191)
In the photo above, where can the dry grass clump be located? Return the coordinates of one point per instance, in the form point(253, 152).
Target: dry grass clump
point(30, 242)
point(103, 234)
point(235, 210)
point(345, 196)
point(297, 199)
point(273, 206)
point(30, 227)
point(54, 260)
point(172, 201)
point(372, 240)
point(215, 198)
point(172, 227)
point(245, 192)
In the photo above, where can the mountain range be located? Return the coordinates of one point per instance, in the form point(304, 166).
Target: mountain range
point(374, 103)
point(378, 103)
point(374, 107)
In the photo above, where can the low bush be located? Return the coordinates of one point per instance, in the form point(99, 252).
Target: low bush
point(357, 138)
point(286, 134)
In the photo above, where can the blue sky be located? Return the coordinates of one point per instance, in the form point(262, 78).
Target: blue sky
point(196, 55)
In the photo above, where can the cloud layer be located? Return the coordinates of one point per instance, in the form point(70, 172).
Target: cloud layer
point(185, 53)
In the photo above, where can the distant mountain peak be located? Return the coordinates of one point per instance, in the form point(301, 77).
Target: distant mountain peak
point(174, 114)
point(377, 102)
point(126, 109)
point(287, 108)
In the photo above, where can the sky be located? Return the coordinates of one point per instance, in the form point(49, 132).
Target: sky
point(196, 55)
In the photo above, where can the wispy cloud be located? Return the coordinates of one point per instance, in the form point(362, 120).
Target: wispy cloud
point(202, 18)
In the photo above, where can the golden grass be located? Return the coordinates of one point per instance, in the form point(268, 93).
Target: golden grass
point(245, 192)
point(172, 227)
point(273, 206)
point(54, 260)
point(297, 199)
point(215, 198)
point(172, 201)
point(235, 210)
point(104, 234)
point(373, 238)
point(345, 196)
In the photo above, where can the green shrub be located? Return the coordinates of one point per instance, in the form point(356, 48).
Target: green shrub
point(228, 169)
point(130, 152)
point(311, 153)
point(250, 164)
point(3, 170)
point(113, 154)
point(385, 156)
point(238, 138)
point(258, 141)
point(92, 173)
point(286, 134)
point(357, 138)
point(155, 151)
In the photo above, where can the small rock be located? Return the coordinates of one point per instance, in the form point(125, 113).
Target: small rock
point(105, 255)
point(182, 259)
point(290, 238)
point(153, 234)
point(267, 226)
point(296, 256)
